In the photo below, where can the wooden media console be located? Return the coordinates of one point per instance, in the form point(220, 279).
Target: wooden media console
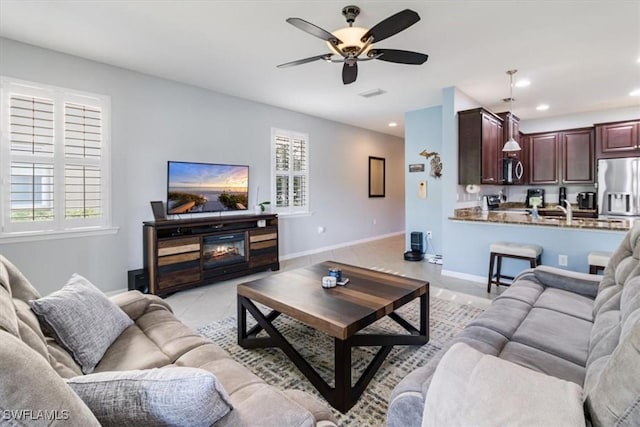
point(184, 253)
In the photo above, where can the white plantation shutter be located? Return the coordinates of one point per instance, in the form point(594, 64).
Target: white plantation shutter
point(83, 153)
point(54, 158)
point(31, 144)
point(290, 171)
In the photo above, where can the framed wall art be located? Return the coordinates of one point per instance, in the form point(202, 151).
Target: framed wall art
point(376, 176)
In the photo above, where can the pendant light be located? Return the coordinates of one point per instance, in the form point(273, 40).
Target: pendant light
point(511, 144)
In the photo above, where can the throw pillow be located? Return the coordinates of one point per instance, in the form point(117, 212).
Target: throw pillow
point(154, 397)
point(473, 388)
point(82, 319)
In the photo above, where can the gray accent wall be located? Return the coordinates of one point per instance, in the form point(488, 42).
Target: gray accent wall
point(155, 120)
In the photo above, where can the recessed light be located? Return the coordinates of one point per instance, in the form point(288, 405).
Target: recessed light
point(542, 107)
point(635, 92)
point(638, 60)
point(393, 124)
point(523, 83)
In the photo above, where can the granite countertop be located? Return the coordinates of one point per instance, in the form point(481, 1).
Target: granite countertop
point(518, 216)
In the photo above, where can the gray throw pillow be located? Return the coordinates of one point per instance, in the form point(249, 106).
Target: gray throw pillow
point(82, 319)
point(154, 397)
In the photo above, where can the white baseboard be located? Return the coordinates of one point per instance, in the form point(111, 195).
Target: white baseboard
point(338, 246)
point(464, 276)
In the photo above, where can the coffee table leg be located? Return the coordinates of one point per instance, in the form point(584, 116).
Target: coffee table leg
point(242, 321)
point(249, 339)
point(342, 366)
point(424, 314)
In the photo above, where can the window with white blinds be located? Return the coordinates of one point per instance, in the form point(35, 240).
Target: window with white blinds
point(54, 158)
point(290, 171)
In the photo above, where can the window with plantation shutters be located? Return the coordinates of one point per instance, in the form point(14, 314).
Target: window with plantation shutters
point(54, 158)
point(290, 171)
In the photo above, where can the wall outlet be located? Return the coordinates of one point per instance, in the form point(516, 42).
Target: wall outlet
point(429, 234)
point(375, 221)
point(563, 260)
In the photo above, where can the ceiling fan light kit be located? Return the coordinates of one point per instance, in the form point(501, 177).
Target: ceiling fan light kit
point(351, 45)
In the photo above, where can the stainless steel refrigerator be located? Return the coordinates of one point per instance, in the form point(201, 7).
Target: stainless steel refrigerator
point(619, 187)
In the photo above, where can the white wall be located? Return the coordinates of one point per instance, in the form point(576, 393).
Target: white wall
point(155, 120)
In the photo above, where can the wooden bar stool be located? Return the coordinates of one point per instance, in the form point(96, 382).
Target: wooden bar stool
point(598, 261)
point(501, 250)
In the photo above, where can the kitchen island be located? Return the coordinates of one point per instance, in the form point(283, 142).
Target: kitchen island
point(521, 217)
point(564, 245)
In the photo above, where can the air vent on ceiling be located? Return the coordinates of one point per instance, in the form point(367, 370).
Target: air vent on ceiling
point(371, 93)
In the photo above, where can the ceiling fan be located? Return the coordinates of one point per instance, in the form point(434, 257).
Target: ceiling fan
point(354, 44)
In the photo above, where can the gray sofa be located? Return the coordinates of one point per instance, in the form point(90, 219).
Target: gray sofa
point(35, 368)
point(579, 328)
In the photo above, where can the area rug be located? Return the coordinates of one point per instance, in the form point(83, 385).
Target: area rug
point(446, 319)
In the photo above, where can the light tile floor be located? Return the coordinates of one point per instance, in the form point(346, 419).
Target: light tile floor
point(205, 304)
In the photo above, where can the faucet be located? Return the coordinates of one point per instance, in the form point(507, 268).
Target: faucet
point(567, 211)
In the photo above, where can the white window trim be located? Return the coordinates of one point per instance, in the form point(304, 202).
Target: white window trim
point(59, 227)
point(290, 211)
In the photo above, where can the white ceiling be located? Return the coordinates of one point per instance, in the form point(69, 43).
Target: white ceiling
point(579, 55)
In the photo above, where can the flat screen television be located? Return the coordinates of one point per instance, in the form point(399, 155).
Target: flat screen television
point(206, 187)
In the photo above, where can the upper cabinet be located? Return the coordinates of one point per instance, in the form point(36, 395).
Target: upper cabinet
point(480, 134)
point(577, 148)
point(564, 157)
point(543, 158)
point(620, 139)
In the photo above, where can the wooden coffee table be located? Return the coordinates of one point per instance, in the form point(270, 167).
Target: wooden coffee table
point(339, 312)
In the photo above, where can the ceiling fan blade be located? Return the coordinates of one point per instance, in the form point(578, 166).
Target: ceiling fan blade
point(399, 56)
point(392, 25)
point(314, 30)
point(349, 73)
point(325, 56)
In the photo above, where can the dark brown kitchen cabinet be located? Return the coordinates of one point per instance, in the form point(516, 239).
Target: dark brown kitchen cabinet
point(563, 157)
point(577, 151)
point(479, 144)
point(619, 139)
point(544, 159)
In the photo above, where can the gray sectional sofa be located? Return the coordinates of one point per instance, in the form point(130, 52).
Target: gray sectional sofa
point(40, 380)
point(581, 332)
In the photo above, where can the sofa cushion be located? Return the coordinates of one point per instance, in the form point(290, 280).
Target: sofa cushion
point(82, 319)
point(504, 317)
point(613, 394)
point(156, 339)
point(263, 405)
point(555, 333)
point(472, 388)
point(543, 362)
point(154, 397)
point(612, 388)
point(13, 286)
point(132, 350)
point(623, 265)
point(32, 393)
point(566, 302)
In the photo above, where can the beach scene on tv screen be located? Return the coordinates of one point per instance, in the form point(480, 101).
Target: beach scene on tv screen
point(201, 187)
